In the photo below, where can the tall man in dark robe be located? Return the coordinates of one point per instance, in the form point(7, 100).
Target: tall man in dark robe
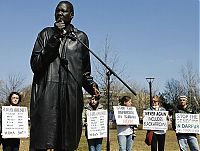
point(61, 67)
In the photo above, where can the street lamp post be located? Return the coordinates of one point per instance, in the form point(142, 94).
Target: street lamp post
point(150, 80)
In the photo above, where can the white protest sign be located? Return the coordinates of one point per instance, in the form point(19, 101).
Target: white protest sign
point(187, 123)
point(97, 124)
point(14, 122)
point(155, 120)
point(125, 115)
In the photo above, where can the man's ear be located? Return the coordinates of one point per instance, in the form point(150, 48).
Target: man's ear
point(72, 15)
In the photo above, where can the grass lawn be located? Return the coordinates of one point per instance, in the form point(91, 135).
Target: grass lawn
point(139, 145)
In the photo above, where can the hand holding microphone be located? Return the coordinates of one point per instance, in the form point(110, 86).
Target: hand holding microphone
point(61, 30)
point(60, 26)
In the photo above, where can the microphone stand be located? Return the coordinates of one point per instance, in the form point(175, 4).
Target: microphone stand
point(108, 74)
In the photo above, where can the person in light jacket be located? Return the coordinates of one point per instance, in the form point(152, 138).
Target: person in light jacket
point(93, 105)
point(125, 133)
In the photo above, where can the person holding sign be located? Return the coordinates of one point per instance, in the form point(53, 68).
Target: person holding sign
point(93, 105)
point(158, 138)
point(125, 133)
point(185, 139)
point(12, 144)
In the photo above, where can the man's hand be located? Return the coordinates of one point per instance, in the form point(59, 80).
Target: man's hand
point(60, 28)
point(96, 91)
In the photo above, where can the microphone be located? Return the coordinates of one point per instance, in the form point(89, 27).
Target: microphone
point(60, 22)
point(64, 32)
point(72, 36)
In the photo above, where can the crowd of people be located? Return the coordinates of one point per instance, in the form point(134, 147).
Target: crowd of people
point(125, 133)
point(61, 68)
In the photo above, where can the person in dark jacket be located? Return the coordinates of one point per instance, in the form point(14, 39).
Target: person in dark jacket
point(61, 67)
point(12, 144)
point(185, 139)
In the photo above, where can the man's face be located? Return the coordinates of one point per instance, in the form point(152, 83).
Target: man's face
point(63, 13)
point(93, 101)
point(14, 99)
point(183, 102)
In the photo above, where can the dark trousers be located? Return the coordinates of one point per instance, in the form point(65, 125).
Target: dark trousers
point(10, 148)
point(158, 140)
point(11, 144)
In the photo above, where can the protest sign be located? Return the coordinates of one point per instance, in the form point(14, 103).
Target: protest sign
point(97, 124)
point(187, 123)
point(14, 122)
point(155, 120)
point(125, 115)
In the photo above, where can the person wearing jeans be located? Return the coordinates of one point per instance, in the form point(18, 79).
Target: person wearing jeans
point(125, 141)
point(125, 132)
point(93, 105)
point(95, 144)
point(185, 139)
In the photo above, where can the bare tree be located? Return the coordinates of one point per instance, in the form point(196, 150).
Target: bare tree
point(188, 85)
point(112, 60)
point(141, 100)
point(13, 83)
point(26, 96)
point(173, 89)
point(190, 82)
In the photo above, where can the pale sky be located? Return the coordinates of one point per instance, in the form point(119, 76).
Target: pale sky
point(152, 37)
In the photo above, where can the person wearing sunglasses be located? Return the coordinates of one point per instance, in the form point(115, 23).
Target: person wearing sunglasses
point(158, 138)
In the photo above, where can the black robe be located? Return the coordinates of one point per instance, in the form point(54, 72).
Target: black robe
point(61, 68)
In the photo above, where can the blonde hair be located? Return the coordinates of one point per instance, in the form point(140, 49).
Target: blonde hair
point(156, 98)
